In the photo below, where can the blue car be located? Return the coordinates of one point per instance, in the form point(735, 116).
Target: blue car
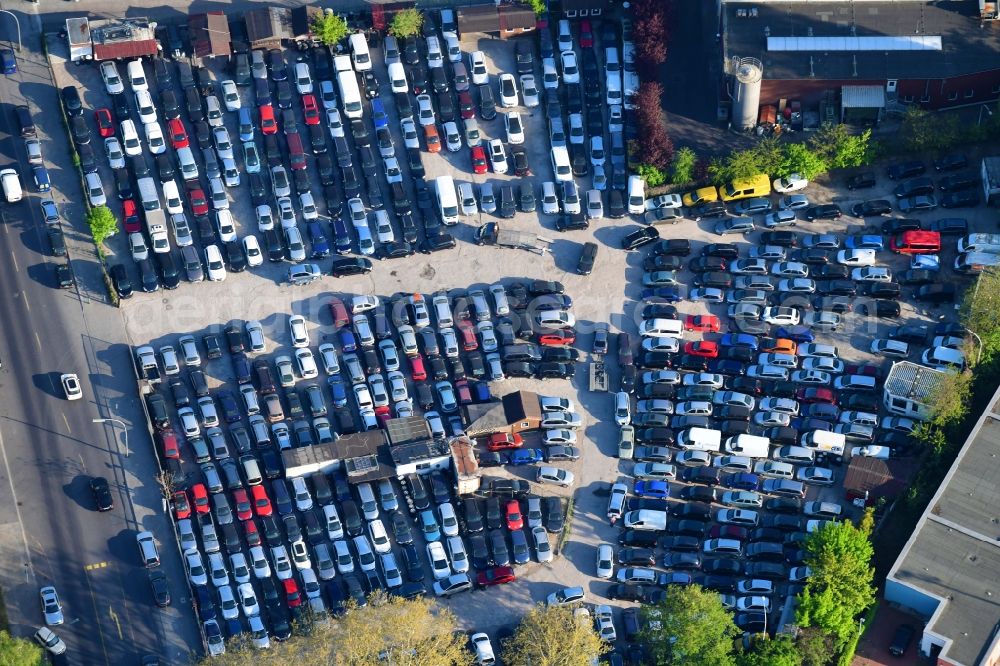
point(671, 294)
point(519, 543)
point(656, 489)
point(802, 424)
point(429, 526)
point(739, 340)
point(337, 391)
point(821, 410)
point(797, 334)
point(321, 247)
point(342, 236)
point(379, 116)
point(864, 243)
point(742, 481)
point(205, 602)
point(725, 366)
point(525, 457)
point(246, 124)
point(282, 500)
point(234, 628)
point(480, 392)
point(347, 340)
point(8, 61)
point(42, 182)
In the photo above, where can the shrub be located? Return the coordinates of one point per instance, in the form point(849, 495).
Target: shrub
point(653, 176)
point(658, 148)
point(329, 28)
point(406, 23)
point(682, 169)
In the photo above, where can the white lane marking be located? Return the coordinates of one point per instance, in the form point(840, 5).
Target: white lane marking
point(28, 568)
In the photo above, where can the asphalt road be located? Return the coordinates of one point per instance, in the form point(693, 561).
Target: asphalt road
point(50, 448)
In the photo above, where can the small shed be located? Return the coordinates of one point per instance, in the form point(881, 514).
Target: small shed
point(862, 105)
point(505, 21)
point(115, 39)
point(516, 412)
point(268, 27)
point(209, 34)
point(420, 457)
point(515, 20)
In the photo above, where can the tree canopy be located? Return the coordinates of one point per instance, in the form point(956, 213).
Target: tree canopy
point(329, 28)
point(551, 636)
point(19, 651)
point(102, 223)
point(839, 588)
point(778, 651)
point(406, 23)
point(690, 627)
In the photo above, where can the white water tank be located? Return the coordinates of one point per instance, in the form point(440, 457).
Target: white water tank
point(746, 95)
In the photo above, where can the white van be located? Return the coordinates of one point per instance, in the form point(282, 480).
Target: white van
point(648, 520)
point(861, 382)
point(636, 195)
point(662, 328)
point(560, 163)
point(148, 194)
point(342, 63)
point(359, 52)
point(11, 183)
point(626, 442)
point(447, 199)
point(939, 358)
point(613, 88)
point(823, 440)
point(350, 94)
point(699, 439)
point(136, 75)
point(749, 445)
point(397, 78)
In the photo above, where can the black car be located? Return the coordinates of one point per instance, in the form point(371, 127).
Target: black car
point(638, 237)
point(80, 131)
point(588, 255)
point(899, 225)
point(711, 209)
point(445, 103)
point(521, 168)
point(861, 181)
point(951, 162)
point(507, 207)
point(88, 161)
point(403, 105)
point(724, 250)
point(121, 281)
point(572, 222)
point(779, 238)
point(958, 182)
point(823, 212)
point(936, 293)
point(554, 514)
point(415, 162)
point(906, 169)
point(872, 208)
point(616, 205)
point(71, 101)
point(963, 199)
point(487, 103)
point(234, 256)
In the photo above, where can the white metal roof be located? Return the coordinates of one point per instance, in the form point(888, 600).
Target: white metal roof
point(849, 43)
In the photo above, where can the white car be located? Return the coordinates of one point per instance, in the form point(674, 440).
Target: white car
point(791, 183)
point(95, 190)
point(334, 123)
point(871, 274)
point(230, 95)
point(550, 403)
point(286, 213)
point(425, 110)
point(300, 492)
point(223, 146)
point(227, 602)
point(182, 231)
point(515, 128)
point(297, 328)
point(570, 420)
point(566, 596)
point(248, 599)
point(487, 336)
point(550, 202)
point(529, 90)
point(303, 80)
point(554, 476)
point(144, 103)
point(130, 137)
point(498, 155)
point(457, 555)
point(605, 561)
point(501, 305)
point(195, 567)
point(259, 564)
point(508, 91)
point(282, 565)
point(213, 262)
point(51, 608)
point(113, 149)
point(307, 363)
point(71, 386)
point(308, 206)
point(438, 560)
point(856, 257)
point(112, 79)
point(226, 225)
point(550, 75)
point(477, 66)
point(393, 174)
point(452, 137)
point(569, 66)
point(559, 437)
point(872, 451)
point(410, 137)
point(251, 248)
point(781, 316)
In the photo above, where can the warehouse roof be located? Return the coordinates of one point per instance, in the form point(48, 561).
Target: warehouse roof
point(869, 40)
point(209, 34)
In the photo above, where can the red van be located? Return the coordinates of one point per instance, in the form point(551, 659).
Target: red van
point(916, 242)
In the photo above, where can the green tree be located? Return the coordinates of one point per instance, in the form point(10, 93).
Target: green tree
point(840, 149)
point(801, 159)
point(689, 626)
point(329, 28)
point(102, 223)
point(654, 177)
point(682, 168)
point(19, 651)
point(923, 131)
point(815, 646)
point(552, 636)
point(406, 23)
point(840, 586)
point(949, 399)
point(770, 153)
point(413, 632)
point(778, 651)
point(979, 308)
point(537, 6)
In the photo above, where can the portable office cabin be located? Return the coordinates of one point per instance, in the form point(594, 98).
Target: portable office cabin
point(116, 39)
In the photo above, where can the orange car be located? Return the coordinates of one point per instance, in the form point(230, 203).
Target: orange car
point(432, 138)
point(778, 346)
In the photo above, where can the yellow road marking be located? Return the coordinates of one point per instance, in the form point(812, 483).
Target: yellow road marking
point(93, 601)
point(96, 565)
point(114, 616)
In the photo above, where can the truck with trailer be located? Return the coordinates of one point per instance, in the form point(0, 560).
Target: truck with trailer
point(468, 478)
point(491, 234)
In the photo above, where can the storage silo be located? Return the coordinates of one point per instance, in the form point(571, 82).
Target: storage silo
point(746, 95)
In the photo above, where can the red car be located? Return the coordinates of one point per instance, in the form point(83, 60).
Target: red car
point(558, 338)
point(200, 496)
point(479, 164)
point(292, 595)
point(811, 394)
point(702, 348)
point(383, 414)
point(467, 332)
point(311, 109)
point(182, 508)
point(512, 511)
point(417, 369)
point(861, 369)
point(199, 204)
point(702, 323)
point(586, 34)
point(339, 312)
point(500, 441)
point(105, 126)
point(130, 214)
point(466, 107)
point(178, 135)
point(729, 532)
point(463, 391)
point(261, 502)
point(243, 509)
point(268, 125)
point(495, 576)
point(168, 440)
point(252, 535)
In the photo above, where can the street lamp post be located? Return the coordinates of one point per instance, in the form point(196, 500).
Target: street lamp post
point(17, 24)
point(120, 423)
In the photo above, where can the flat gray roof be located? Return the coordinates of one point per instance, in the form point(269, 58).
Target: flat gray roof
point(965, 47)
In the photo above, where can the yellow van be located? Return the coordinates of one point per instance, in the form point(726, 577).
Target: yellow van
point(755, 186)
point(700, 196)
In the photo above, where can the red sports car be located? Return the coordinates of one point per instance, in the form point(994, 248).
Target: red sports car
point(182, 508)
point(261, 502)
point(199, 204)
point(558, 338)
point(311, 109)
point(105, 126)
point(495, 576)
point(200, 496)
point(417, 369)
point(702, 348)
point(479, 164)
point(243, 509)
point(130, 215)
point(702, 323)
point(178, 135)
point(268, 125)
point(810, 395)
point(513, 513)
point(168, 440)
